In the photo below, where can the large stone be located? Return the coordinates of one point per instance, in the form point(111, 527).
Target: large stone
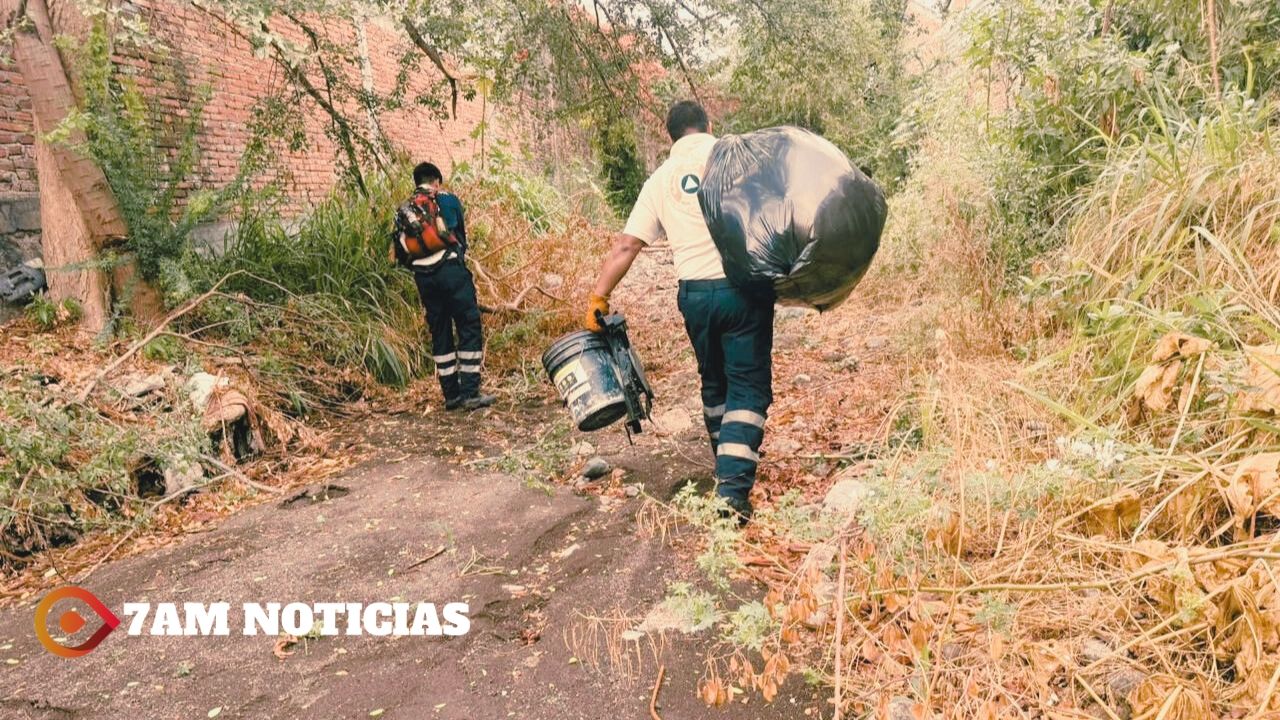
point(596, 468)
point(1124, 681)
point(902, 708)
point(662, 617)
point(182, 477)
point(820, 557)
point(825, 593)
point(139, 386)
point(845, 498)
point(201, 386)
point(1093, 650)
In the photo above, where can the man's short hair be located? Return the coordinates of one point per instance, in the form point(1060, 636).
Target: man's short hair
point(426, 173)
point(684, 117)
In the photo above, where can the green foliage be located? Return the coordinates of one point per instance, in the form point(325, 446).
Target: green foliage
point(46, 315)
point(541, 460)
point(620, 163)
point(803, 521)
point(505, 179)
point(750, 626)
point(149, 151)
point(901, 503)
point(697, 609)
point(833, 67)
point(1077, 85)
point(64, 467)
point(322, 289)
point(996, 613)
point(68, 447)
point(720, 558)
point(1177, 235)
point(164, 349)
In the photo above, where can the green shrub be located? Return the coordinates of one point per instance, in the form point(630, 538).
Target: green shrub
point(323, 289)
point(620, 163)
point(849, 85)
point(1076, 87)
point(46, 314)
point(65, 468)
point(750, 626)
point(164, 349)
point(148, 151)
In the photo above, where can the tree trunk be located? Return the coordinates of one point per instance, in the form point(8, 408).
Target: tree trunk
point(78, 211)
point(64, 236)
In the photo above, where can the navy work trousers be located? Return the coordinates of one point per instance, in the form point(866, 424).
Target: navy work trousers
point(732, 334)
point(448, 294)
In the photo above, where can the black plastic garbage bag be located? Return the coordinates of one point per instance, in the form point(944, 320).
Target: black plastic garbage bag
point(785, 206)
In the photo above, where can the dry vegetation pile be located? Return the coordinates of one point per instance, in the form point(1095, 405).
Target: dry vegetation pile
point(1060, 502)
point(98, 464)
point(1047, 496)
point(113, 448)
point(535, 251)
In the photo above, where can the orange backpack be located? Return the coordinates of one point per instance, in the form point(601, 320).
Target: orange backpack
point(421, 230)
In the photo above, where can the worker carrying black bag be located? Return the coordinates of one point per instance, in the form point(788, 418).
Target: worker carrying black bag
point(785, 206)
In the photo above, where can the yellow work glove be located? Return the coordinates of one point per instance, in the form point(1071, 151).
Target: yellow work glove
point(595, 303)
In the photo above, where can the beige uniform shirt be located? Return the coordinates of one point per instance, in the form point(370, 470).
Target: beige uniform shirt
point(668, 205)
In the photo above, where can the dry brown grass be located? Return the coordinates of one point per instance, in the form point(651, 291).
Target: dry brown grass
point(1090, 505)
point(532, 274)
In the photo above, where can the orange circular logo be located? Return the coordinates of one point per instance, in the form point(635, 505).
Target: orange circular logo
point(72, 622)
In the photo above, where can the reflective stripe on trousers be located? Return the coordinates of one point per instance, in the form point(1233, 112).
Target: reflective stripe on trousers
point(448, 294)
point(732, 336)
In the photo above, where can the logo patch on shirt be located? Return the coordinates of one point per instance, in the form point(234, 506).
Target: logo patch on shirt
point(690, 183)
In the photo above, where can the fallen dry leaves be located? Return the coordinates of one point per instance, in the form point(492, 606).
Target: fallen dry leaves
point(282, 648)
point(1254, 487)
point(1156, 383)
point(1168, 698)
point(1262, 380)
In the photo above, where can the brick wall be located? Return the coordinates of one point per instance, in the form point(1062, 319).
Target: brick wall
point(17, 154)
point(214, 54)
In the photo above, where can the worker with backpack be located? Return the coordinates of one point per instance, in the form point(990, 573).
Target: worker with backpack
point(430, 239)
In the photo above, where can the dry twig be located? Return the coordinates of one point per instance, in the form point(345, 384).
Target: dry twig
point(653, 699)
point(156, 331)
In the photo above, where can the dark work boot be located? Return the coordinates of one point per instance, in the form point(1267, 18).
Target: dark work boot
point(453, 403)
point(478, 401)
point(741, 509)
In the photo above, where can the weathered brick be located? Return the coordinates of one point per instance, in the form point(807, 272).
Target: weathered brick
point(239, 79)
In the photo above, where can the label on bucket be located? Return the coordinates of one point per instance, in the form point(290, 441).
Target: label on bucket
point(571, 381)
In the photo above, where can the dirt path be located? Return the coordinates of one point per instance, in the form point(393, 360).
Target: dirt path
point(530, 564)
point(533, 561)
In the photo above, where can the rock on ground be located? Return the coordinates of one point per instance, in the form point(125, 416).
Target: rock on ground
point(846, 496)
point(596, 468)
